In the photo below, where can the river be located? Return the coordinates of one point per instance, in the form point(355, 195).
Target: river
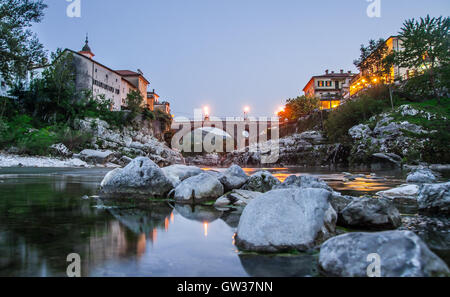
point(44, 218)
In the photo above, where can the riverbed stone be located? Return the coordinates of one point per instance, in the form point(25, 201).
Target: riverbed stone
point(370, 213)
point(178, 173)
point(339, 202)
point(142, 176)
point(61, 150)
point(96, 156)
point(434, 198)
point(261, 181)
point(305, 181)
point(198, 188)
point(237, 198)
point(421, 176)
point(286, 219)
point(402, 254)
point(404, 197)
point(233, 178)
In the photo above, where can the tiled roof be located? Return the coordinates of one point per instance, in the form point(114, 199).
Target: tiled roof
point(127, 73)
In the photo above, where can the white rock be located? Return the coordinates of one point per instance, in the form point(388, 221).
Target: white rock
point(178, 173)
point(198, 188)
point(283, 220)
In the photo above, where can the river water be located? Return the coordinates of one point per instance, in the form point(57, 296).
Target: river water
point(44, 218)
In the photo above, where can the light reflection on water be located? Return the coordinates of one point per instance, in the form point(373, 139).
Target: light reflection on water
point(358, 183)
point(43, 219)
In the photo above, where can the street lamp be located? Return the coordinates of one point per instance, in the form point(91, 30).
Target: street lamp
point(206, 112)
point(246, 111)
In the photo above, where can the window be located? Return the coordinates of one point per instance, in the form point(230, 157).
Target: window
point(328, 83)
point(320, 83)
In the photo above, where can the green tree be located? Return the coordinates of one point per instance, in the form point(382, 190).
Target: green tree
point(426, 43)
point(372, 60)
point(300, 106)
point(134, 103)
point(19, 47)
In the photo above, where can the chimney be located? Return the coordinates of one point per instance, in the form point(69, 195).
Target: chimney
point(342, 71)
point(332, 72)
point(349, 72)
point(326, 71)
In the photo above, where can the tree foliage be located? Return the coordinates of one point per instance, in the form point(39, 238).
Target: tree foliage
point(372, 58)
point(426, 46)
point(298, 107)
point(19, 47)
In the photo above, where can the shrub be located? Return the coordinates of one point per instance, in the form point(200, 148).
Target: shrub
point(354, 112)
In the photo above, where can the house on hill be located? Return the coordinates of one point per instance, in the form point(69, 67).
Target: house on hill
point(330, 88)
point(102, 80)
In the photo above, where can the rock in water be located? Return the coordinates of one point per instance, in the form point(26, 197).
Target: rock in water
point(402, 254)
point(97, 157)
point(233, 178)
point(198, 189)
point(237, 197)
point(421, 176)
point(371, 213)
point(403, 197)
point(261, 181)
point(434, 198)
point(287, 219)
point(307, 181)
point(340, 202)
point(178, 173)
point(142, 177)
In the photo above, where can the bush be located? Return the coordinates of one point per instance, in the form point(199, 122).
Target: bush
point(36, 142)
point(72, 139)
point(355, 112)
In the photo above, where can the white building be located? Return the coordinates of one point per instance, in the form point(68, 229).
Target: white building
point(103, 81)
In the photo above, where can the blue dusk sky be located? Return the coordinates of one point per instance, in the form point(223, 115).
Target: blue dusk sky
point(227, 53)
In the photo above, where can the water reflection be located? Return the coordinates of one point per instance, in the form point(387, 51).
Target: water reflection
point(303, 265)
point(357, 183)
point(43, 219)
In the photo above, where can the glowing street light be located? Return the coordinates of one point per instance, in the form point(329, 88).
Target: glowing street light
point(246, 111)
point(206, 112)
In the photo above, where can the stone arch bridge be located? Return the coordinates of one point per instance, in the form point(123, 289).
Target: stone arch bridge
point(242, 132)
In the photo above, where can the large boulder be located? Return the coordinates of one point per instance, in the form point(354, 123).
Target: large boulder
point(233, 178)
point(61, 150)
point(198, 188)
point(434, 198)
point(371, 213)
point(306, 181)
point(237, 198)
point(178, 173)
point(261, 181)
point(382, 160)
point(96, 157)
point(286, 219)
point(142, 176)
point(421, 176)
point(403, 197)
point(402, 254)
point(339, 202)
point(359, 132)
